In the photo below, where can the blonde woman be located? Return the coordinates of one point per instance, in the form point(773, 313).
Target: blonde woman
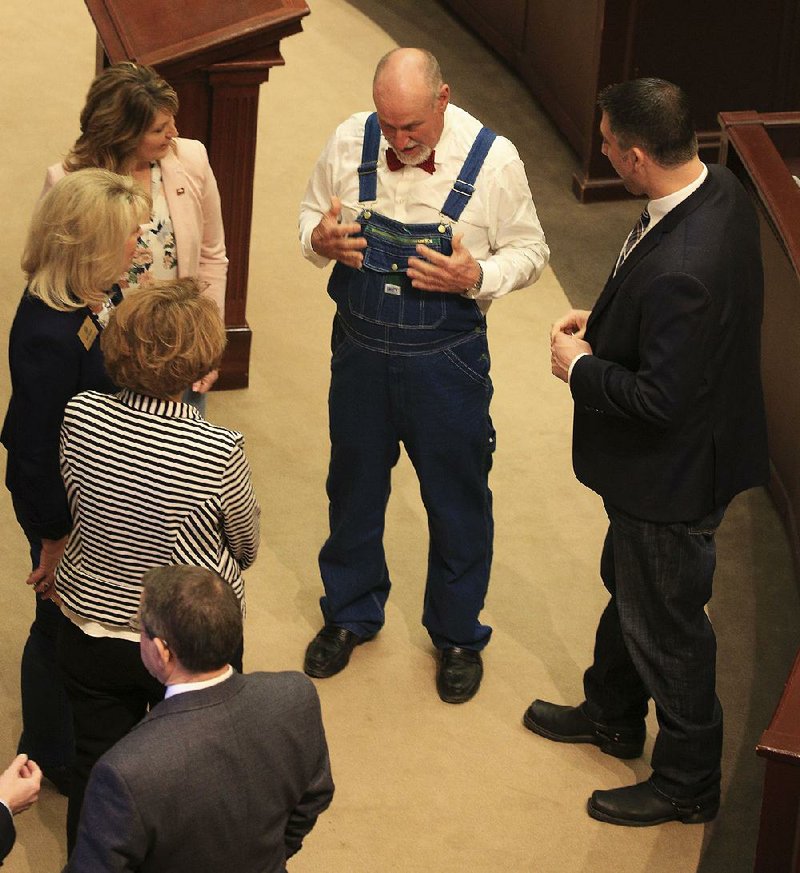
point(81, 236)
point(149, 483)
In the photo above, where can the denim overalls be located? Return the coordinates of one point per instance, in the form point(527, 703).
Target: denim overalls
point(408, 366)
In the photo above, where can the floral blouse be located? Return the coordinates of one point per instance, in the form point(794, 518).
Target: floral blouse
point(155, 256)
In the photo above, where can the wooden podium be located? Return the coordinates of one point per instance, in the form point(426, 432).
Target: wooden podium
point(216, 54)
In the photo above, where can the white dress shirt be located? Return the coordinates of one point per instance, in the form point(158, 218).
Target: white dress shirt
point(183, 687)
point(500, 226)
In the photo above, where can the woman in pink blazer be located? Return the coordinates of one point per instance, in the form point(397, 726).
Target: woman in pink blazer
point(128, 126)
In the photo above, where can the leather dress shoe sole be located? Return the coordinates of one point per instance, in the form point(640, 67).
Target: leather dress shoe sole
point(643, 805)
point(569, 724)
point(459, 675)
point(329, 652)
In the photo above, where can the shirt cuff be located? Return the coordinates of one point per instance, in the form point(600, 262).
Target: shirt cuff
point(572, 364)
point(308, 250)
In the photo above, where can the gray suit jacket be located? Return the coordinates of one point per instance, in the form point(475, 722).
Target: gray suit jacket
point(231, 777)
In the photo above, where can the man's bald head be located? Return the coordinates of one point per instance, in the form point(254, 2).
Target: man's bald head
point(410, 69)
point(410, 98)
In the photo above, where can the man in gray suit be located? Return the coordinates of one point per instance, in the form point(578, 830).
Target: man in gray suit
point(229, 772)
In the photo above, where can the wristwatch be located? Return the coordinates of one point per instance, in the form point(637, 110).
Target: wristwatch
point(475, 289)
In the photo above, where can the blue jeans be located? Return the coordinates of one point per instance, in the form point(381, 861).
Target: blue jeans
point(436, 402)
point(47, 734)
point(654, 640)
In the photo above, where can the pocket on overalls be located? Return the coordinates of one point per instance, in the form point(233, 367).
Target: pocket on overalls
point(381, 292)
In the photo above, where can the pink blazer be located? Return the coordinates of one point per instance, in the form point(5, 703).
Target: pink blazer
point(194, 206)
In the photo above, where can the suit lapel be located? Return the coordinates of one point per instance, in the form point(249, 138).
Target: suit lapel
point(648, 243)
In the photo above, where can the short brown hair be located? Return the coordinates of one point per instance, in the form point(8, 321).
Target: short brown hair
point(121, 105)
point(195, 612)
point(75, 249)
point(163, 338)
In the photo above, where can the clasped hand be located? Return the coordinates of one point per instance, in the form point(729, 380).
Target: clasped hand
point(566, 341)
point(42, 579)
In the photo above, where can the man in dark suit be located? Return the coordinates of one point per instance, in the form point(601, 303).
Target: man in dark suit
point(229, 772)
point(669, 426)
point(19, 790)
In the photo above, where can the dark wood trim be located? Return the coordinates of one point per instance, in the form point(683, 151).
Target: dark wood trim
point(235, 369)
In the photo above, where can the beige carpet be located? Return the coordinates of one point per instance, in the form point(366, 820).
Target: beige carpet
point(421, 786)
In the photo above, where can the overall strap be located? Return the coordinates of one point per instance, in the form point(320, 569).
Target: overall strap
point(464, 186)
point(368, 168)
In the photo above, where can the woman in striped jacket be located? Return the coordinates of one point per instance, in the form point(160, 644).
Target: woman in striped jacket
point(149, 483)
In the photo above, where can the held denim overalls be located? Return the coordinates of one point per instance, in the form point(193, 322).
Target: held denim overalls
point(408, 366)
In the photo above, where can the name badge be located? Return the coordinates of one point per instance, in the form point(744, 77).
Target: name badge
point(87, 333)
point(392, 289)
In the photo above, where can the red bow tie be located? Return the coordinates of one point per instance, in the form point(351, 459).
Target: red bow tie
point(394, 163)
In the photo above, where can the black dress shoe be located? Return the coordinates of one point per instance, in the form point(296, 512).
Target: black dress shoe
point(459, 675)
point(570, 724)
point(643, 804)
point(329, 651)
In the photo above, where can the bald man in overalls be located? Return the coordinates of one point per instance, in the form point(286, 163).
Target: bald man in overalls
point(429, 217)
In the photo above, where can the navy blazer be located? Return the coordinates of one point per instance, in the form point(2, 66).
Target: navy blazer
point(669, 414)
point(49, 365)
point(230, 777)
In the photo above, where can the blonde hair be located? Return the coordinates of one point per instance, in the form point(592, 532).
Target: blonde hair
point(75, 249)
point(163, 338)
point(121, 105)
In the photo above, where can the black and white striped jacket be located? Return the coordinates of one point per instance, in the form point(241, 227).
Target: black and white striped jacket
point(149, 483)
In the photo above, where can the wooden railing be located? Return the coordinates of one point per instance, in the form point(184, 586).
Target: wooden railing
point(764, 152)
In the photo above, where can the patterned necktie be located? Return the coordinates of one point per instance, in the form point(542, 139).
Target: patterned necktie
point(394, 163)
point(633, 237)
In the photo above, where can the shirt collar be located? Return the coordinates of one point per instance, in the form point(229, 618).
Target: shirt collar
point(660, 207)
point(183, 687)
point(156, 406)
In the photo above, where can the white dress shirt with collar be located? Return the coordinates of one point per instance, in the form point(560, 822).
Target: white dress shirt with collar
point(182, 687)
point(500, 226)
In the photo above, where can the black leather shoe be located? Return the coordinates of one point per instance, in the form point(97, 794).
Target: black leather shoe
point(459, 675)
point(329, 651)
point(570, 724)
point(642, 805)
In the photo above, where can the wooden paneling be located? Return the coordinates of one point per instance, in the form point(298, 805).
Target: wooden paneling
point(726, 54)
point(563, 77)
point(749, 149)
point(760, 150)
point(501, 22)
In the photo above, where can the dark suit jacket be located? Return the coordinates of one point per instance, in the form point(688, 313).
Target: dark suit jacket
point(669, 414)
point(227, 778)
point(8, 834)
point(49, 366)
